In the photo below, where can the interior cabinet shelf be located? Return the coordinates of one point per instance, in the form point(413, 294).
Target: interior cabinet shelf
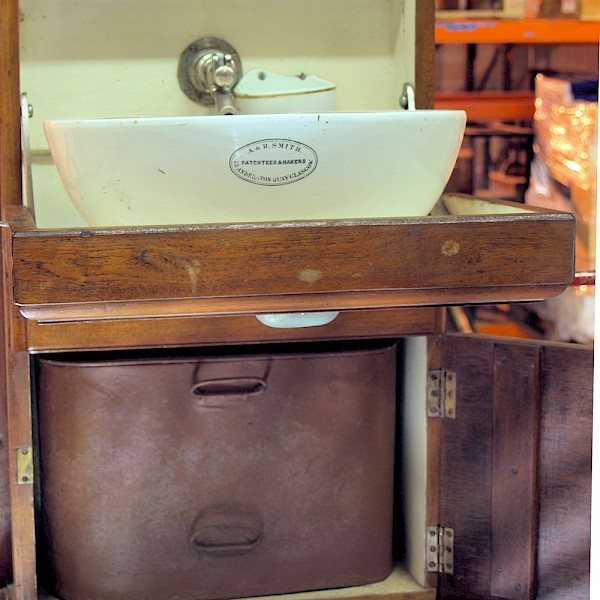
point(516, 31)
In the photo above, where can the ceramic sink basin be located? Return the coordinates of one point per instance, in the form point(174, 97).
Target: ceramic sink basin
point(256, 168)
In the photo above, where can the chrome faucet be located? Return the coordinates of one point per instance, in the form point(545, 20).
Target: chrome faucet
point(209, 69)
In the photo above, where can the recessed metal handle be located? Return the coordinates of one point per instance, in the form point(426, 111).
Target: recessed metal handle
point(226, 534)
point(232, 386)
point(226, 539)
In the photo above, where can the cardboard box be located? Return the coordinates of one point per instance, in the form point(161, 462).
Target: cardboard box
point(511, 9)
point(589, 10)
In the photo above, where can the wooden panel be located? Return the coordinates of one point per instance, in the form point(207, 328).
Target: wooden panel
point(565, 474)
point(5, 529)
point(234, 329)
point(514, 470)
point(466, 456)
point(21, 495)
point(425, 53)
point(55, 313)
point(10, 136)
point(10, 193)
point(499, 550)
point(16, 430)
point(423, 255)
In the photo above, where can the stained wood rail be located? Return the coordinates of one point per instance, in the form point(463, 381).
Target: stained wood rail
point(519, 254)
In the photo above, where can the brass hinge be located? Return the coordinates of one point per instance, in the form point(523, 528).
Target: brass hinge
point(24, 465)
point(441, 394)
point(440, 550)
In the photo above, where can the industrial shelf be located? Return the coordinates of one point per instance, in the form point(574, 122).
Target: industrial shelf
point(517, 31)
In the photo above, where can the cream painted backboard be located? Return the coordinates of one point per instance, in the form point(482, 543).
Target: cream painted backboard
point(118, 58)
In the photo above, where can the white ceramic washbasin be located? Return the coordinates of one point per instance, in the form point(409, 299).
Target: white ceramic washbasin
point(256, 168)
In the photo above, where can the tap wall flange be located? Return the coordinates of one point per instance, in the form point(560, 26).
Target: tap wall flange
point(207, 67)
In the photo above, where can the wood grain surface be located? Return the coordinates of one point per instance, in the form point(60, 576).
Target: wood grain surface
point(516, 469)
point(210, 262)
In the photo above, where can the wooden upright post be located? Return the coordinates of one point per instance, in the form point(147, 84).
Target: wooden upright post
point(10, 137)
point(15, 392)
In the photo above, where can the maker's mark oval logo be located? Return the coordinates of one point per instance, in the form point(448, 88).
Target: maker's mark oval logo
point(273, 162)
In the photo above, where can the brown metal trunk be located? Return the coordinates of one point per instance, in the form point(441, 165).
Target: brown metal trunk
point(217, 476)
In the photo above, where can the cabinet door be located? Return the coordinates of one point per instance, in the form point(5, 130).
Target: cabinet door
point(516, 469)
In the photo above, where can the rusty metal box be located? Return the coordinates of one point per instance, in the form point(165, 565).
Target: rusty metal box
point(238, 472)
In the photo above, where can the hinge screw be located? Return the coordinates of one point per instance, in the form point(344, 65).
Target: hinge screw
point(24, 450)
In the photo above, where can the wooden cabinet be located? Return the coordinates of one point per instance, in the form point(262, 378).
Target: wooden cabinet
point(515, 469)
point(82, 289)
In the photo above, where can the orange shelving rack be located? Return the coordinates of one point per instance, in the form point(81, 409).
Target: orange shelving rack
point(517, 31)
